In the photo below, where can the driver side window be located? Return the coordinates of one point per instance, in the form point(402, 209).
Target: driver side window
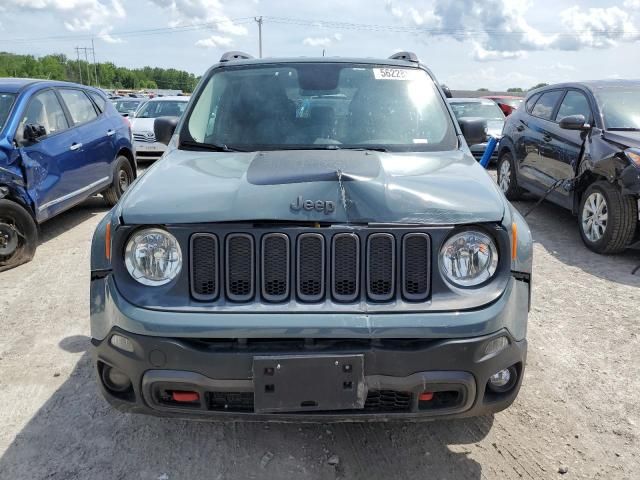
point(44, 110)
point(574, 103)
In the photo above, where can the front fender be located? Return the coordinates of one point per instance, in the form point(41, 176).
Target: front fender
point(99, 261)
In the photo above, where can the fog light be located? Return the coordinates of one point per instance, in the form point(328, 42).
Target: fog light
point(115, 380)
point(503, 380)
point(122, 343)
point(495, 345)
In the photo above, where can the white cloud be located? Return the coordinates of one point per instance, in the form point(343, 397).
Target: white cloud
point(193, 12)
point(596, 27)
point(322, 41)
point(214, 41)
point(631, 4)
point(76, 15)
point(499, 29)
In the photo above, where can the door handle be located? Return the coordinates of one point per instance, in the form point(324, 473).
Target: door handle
point(520, 128)
point(110, 132)
point(546, 138)
point(75, 146)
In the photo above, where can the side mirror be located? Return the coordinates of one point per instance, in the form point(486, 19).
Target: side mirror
point(446, 90)
point(474, 130)
point(164, 128)
point(32, 132)
point(574, 122)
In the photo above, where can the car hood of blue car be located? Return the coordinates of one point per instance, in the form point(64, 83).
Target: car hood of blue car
point(334, 186)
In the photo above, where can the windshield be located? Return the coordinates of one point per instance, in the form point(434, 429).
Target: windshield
point(6, 102)
point(127, 106)
point(487, 109)
point(162, 108)
point(620, 107)
point(321, 106)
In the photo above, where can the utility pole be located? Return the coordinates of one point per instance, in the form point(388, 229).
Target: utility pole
point(86, 51)
point(79, 67)
point(95, 65)
point(259, 22)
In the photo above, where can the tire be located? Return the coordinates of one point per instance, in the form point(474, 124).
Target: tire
point(122, 178)
point(18, 235)
point(607, 219)
point(507, 181)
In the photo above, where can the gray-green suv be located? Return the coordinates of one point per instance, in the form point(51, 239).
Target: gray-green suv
point(318, 243)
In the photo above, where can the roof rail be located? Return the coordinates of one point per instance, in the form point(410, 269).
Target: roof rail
point(235, 56)
point(408, 56)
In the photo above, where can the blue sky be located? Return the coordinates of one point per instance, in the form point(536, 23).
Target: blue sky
point(467, 43)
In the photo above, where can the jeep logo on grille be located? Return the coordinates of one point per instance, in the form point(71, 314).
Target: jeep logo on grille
point(317, 205)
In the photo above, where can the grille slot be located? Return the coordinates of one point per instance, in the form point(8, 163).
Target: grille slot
point(275, 260)
point(204, 266)
point(345, 264)
point(416, 268)
point(310, 266)
point(240, 261)
point(381, 266)
point(388, 401)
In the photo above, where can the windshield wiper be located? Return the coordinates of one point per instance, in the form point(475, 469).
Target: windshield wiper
point(624, 129)
point(210, 147)
point(366, 149)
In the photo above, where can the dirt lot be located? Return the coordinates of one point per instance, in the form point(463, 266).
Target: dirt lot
point(578, 408)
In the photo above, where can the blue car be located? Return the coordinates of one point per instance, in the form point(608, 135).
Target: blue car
point(59, 144)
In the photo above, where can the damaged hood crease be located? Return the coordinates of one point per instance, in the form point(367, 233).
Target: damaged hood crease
point(430, 188)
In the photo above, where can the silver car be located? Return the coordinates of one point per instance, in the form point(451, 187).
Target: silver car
point(144, 140)
point(480, 109)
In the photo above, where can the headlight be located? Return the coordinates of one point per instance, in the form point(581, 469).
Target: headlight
point(153, 257)
point(468, 258)
point(633, 154)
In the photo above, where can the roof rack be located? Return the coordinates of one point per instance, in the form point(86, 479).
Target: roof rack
point(408, 56)
point(235, 56)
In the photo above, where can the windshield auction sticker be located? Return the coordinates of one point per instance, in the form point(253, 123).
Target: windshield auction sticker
point(395, 73)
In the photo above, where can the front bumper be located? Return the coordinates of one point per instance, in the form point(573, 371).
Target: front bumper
point(149, 150)
point(396, 372)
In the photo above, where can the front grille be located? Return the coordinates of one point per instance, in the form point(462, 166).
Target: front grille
point(378, 401)
point(240, 267)
point(143, 137)
point(416, 264)
point(310, 264)
point(388, 401)
point(311, 267)
point(346, 267)
point(230, 401)
point(381, 272)
point(275, 267)
point(204, 266)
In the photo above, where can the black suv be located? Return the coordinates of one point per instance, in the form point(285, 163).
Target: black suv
point(579, 144)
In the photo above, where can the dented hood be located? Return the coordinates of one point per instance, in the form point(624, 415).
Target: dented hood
point(344, 186)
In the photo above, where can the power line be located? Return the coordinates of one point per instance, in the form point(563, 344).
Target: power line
point(132, 33)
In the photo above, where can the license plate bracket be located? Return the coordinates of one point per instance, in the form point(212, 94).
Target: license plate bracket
point(297, 383)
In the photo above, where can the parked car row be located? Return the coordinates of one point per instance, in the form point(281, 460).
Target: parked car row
point(59, 144)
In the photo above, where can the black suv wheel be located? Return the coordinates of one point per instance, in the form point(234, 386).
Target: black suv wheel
point(507, 180)
point(607, 219)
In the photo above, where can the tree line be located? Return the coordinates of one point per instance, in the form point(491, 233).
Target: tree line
point(106, 75)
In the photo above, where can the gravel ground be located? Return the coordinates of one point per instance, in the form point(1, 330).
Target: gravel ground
point(578, 409)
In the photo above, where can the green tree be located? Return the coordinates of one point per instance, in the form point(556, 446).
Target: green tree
point(539, 85)
point(514, 90)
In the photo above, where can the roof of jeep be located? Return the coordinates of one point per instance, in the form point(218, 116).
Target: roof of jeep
point(360, 61)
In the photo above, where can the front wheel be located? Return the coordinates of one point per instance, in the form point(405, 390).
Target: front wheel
point(507, 180)
point(607, 219)
point(122, 178)
point(18, 235)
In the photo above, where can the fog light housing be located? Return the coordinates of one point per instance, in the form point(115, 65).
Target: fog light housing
point(503, 380)
point(115, 380)
point(494, 346)
point(122, 343)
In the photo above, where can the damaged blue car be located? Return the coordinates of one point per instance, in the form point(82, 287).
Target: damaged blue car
point(59, 144)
